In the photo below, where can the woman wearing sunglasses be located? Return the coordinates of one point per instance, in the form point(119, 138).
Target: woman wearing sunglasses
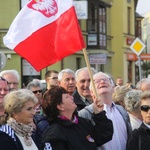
point(36, 87)
point(139, 139)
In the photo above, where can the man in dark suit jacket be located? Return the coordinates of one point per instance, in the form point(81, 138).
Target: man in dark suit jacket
point(82, 96)
point(79, 101)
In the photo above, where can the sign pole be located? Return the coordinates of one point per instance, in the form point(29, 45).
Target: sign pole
point(137, 47)
point(140, 70)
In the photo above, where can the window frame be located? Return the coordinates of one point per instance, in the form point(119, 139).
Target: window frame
point(97, 26)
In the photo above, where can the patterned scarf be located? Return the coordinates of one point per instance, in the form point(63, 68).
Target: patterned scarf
point(22, 130)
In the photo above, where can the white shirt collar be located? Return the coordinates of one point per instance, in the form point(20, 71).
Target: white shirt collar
point(147, 125)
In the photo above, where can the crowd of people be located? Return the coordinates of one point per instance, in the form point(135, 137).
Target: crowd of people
point(73, 112)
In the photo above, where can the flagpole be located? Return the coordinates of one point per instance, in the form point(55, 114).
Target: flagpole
point(89, 70)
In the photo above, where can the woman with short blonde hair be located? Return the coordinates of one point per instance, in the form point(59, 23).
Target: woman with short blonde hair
point(16, 130)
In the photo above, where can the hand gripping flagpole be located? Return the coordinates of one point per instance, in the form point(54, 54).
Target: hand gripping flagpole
point(89, 70)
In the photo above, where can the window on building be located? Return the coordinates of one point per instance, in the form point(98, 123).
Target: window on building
point(28, 73)
point(78, 63)
point(102, 27)
point(98, 67)
point(130, 71)
point(96, 26)
point(138, 32)
point(129, 20)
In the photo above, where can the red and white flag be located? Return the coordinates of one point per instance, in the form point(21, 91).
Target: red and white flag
point(44, 32)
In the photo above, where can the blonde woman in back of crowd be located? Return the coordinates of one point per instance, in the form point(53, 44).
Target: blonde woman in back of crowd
point(119, 94)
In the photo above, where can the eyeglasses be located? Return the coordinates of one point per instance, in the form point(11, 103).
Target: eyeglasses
point(35, 92)
point(55, 78)
point(3, 79)
point(104, 79)
point(14, 83)
point(145, 108)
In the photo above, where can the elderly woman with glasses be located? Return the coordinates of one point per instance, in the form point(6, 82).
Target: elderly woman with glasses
point(67, 131)
point(139, 139)
point(16, 131)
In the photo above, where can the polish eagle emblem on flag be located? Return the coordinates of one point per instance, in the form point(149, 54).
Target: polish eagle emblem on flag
point(47, 7)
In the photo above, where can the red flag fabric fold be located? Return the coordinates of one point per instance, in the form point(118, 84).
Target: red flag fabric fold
point(55, 35)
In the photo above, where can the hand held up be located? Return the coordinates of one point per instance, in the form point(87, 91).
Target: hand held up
point(98, 105)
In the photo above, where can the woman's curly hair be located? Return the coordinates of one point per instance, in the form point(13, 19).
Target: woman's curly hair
point(132, 100)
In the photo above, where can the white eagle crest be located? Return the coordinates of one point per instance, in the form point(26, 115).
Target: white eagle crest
point(48, 5)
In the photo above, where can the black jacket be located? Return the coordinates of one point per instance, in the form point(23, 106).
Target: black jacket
point(9, 140)
point(78, 101)
point(133, 140)
point(65, 135)
point(41, 123)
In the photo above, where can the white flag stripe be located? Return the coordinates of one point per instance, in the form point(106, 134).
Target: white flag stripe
point(18, 32)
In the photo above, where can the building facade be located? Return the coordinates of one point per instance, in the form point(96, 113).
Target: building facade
point(109, 30)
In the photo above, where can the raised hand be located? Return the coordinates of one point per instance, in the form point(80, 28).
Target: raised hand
point(98, 105)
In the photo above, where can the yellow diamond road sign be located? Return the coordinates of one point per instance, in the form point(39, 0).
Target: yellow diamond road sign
point(137, 46)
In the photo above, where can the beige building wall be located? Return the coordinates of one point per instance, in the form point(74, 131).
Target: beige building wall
point(146, 31)
point(119, 25)
point(117, 48)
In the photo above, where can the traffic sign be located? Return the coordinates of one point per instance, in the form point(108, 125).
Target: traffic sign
point(137, 46)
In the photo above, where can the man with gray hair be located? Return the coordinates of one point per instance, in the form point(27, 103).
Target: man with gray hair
point(105, 87)
point(82, 95)
point(66, 79)
point(143, 84)
point(13, 77)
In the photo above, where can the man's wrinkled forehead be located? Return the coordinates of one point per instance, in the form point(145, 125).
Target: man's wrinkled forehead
point(100, 75)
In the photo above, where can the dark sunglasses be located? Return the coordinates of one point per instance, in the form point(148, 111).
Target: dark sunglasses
point(35, 92)
point(3, 79)
point(145, 108)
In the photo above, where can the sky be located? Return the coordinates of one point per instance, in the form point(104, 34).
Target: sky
point(143, 6)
